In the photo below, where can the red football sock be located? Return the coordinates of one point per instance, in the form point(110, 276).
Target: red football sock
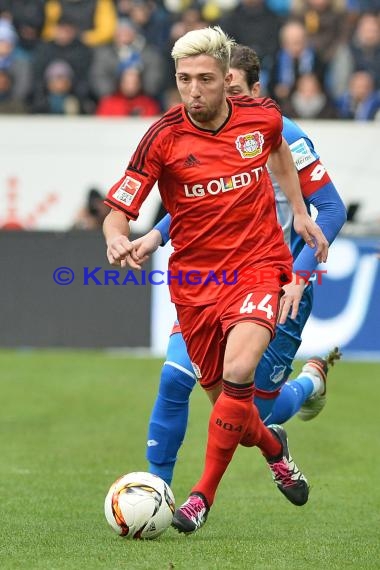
point(258, 434)
point(228, 421)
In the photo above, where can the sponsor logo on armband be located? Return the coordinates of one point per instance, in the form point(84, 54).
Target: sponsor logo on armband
point(127, 190)
point(301, 153)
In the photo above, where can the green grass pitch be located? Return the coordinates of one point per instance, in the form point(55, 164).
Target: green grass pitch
point(71, 422)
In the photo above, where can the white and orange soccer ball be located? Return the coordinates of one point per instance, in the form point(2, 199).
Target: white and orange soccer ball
point(139, 505)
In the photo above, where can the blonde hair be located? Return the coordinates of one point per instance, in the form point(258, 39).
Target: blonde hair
point(205, 41)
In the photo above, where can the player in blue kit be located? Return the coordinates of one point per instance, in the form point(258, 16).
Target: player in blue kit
point(276, 398)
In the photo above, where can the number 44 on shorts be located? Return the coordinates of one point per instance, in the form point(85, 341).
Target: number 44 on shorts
point(263, 305)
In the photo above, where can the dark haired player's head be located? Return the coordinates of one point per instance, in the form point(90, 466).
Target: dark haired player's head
point(245, 68)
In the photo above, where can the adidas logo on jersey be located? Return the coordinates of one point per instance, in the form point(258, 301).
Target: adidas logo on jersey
point(191, 161)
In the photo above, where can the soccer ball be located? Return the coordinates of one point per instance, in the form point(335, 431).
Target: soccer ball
point(139, 505)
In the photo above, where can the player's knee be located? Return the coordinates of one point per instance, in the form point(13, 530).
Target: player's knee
point(237, 370)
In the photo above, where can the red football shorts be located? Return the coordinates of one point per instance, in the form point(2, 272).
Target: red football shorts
point(205, 328)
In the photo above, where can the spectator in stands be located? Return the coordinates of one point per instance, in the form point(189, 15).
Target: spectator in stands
point(211, 10)
point(91, 216)
point(95, 19)
point(361, 101)
point(129, 100)
point(27, 17)
point(65, 46)
point(309, 100)
point(123, 9)
point(58, 97)
point(151, 21)
point(8, 104)
point(253, 24)
point(362, 52)
point(15, 64)
point(295, 58)
point(360, 6)
point(323, 21)
point(365, 46)
point(128, 47)
point(281, 7)
point(5, 10)
point(189, 19)
point(352, 14)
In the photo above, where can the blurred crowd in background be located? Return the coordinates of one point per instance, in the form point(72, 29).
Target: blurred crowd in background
point(320, 58)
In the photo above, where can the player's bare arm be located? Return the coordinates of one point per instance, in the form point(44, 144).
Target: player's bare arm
point(120, 251)
point(282, 166)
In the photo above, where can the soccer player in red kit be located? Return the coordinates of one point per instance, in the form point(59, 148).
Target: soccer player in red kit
point(208, 156)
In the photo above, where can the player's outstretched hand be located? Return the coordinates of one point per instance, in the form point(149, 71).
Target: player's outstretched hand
point(147, 244)
point(121, 252)
point(312, 235)
point(291, 298)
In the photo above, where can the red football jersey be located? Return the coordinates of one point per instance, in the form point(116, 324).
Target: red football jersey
point(216, 188)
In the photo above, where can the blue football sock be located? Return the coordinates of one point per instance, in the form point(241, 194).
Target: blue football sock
point(292, 396)
point(168, 421)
